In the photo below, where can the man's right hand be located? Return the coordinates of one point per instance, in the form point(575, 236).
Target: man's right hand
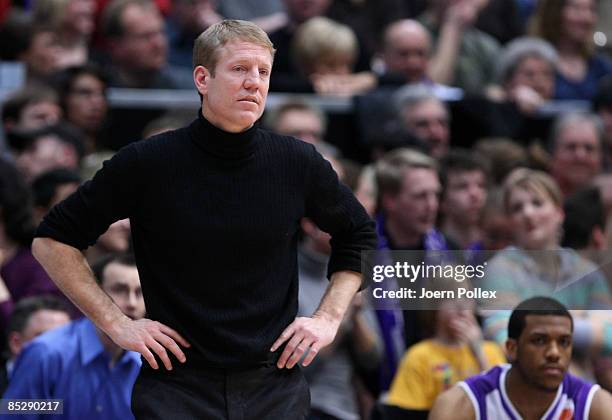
point(147, 337)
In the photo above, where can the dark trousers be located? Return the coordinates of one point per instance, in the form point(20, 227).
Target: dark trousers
point(265, 392)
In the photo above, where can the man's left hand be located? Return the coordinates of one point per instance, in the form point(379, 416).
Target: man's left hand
point(304, 335)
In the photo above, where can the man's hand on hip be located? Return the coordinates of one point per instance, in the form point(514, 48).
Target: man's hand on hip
point(147, 337)
point(304, 335)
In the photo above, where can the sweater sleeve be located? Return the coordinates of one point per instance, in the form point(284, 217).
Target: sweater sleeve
point(111, 195)
point(334, 209)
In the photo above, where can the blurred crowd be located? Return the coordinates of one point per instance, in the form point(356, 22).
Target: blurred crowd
point(468, 125)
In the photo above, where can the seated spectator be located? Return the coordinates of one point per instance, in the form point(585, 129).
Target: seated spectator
point(455, 352)
point(537, 383)
point(464, 178)
point(356, 347)
point(51, 147)
point(325, 52)
point(302, 121)
point(30, 318)
point(31, 108)
point(79, 363)
point(21, 273)
point(49, 188)
point(138, 47)
point(36, 46)
point(83, 99)
point(526, 73)
point(286, 77)
point(408, 189)
point(463, 56)
point(187, 20)
point(74, 22)
point(576, 150)
point(425, 117)
point(602, 105)
point(406, 54)
point(569, 25)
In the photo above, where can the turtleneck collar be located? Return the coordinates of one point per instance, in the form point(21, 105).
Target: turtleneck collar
point(223, 144)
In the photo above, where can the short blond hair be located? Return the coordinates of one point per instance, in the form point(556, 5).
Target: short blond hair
point(538, 182)
point(207, 46)
point(320, 38)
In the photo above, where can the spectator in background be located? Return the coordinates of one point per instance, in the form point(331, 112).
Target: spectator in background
point(302, 121)
point(464, 179)
point(50, 188)
point(34, 45)
point(325, 52)
point(405, 52)
point(526, 73)
point(356, 347)
point(21, 273)
point(30, 318)
point(51, 147)
point(455, 352)
point(425, 117)
point(83, 99)
point(73, 21)
point(285, 76)
point(80, 364)
point(576, 150)
point(584, 225)
point(568, 25)
point(138, 47)
point(188, 19)
point(462, 55)
point(31, 108)
point(408, 200)
point(602, 105)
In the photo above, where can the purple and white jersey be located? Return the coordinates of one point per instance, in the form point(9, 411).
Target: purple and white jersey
point(487, 392)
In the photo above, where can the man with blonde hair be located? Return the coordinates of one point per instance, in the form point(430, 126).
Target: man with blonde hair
point(214, 209)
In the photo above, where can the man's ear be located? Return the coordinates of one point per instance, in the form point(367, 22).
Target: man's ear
point(598, 239)
point(511, 349)
point(201, 77)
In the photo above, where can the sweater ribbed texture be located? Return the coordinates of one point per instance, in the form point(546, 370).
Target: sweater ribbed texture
point(215, 218)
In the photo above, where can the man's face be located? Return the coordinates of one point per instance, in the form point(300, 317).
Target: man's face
point(122, 284)
point(465, 196)
point(301, 124)
point(39, 114)
point(428, 121)
point(543, 351)
point(536, 73)
point(577, 155)
point(406, 51)
point(45, 153)
point(86, 104)
point(235, 97)
point(415, 208)
point(143, 46)
point(40, 321)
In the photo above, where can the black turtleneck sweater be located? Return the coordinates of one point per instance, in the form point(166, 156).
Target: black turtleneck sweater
point(214, 218)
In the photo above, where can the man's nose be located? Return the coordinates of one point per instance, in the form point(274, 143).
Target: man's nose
point(552, 352)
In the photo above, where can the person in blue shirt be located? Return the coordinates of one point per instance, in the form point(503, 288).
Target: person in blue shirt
point(80, 364)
